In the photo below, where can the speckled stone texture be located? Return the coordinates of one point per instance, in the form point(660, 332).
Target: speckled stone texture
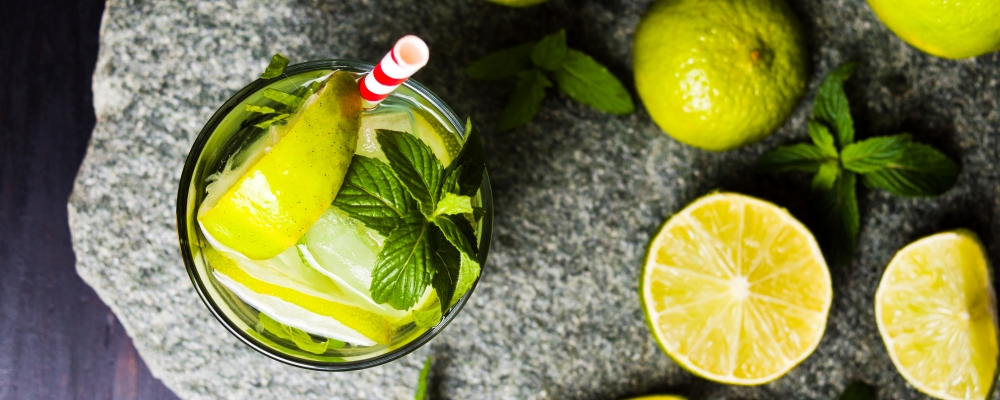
point(578, 194)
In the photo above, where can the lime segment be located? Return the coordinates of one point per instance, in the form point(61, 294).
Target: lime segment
point(289, 187)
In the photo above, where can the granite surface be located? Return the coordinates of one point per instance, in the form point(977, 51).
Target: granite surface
point(578, 194)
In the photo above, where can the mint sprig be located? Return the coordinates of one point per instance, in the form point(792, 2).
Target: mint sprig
point(895, 163)
point(536, 65)
point(425, 211)
point(424, 380)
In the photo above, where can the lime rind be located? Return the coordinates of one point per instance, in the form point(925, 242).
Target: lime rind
point(684, 361)
point(885, 289)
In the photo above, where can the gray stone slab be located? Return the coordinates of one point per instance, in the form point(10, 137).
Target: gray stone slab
point(578, 194)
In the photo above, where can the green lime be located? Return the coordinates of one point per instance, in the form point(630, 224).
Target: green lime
point(719, 74)
point(279, 197)
point(949, 29)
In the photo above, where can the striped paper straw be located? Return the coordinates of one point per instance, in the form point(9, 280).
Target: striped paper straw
point(407, 57)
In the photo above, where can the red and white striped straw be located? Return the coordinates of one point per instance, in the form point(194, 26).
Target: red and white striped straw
point(406, 58)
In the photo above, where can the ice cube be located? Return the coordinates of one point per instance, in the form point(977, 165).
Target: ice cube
point(386, 116)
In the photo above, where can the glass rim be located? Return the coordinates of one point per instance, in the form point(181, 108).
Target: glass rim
point(183, 192)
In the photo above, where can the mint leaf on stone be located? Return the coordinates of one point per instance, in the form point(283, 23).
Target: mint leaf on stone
point(502, 64)
point(831, 107)
point(525, 101)
point(550, 52)
point(873, 154)
point(404, 267)
point(453, 204)
point(469, 164)
point(858, 391)
point(372, 194)
point(822, 138)
point(826, 177)
point(424, 381)
point(290, 100)
point(840, 220)
point(920, 171)
point(416, 166)
point(276, 67)
point(797, 157)
point(587, 81)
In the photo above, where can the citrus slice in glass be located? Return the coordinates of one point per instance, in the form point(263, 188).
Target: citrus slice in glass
point(735, 289)
point(262, 210)
point(936, 311)
point(298, 296)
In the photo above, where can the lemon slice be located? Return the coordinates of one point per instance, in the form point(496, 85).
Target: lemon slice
point(936, 312)
point(298, 296)
point(735, 289)
point(284, 192)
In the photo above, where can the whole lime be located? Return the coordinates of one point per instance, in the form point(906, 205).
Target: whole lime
point(518, 3)
point(948, 29)
point(719, 74)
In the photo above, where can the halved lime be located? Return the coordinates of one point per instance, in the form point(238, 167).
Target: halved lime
point(936, 311)
point(735, 289)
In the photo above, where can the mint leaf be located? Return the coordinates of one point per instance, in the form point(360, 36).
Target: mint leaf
point(372, 194)
point(525, 101)
point(469, 164)
point(467, 276)
point(839, 219)
point(300, 338)
point(873, 154)
point(821, 136)
point(276, 67)
point(448, 261)
point(404, 267)
point(590, 83)
point(273, 120)
point(797, 157)
point(458, 231)
point(826, 177)
point(289, 100)
point(429, 316)
point(831, 107)
point(502, 64)
point(453, 204)
point(858, 391)
point(258, 109)
point(416, 166)
point(478, 213)
point(920, 171)
point(423, 381)
point(550, 52)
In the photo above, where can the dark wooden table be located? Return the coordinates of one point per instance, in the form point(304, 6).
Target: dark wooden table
point(57, 339)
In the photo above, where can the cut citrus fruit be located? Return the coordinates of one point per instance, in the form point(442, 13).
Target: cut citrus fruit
point(735, 289)
point(298, 296)
point(935, 309)
point(276, 200)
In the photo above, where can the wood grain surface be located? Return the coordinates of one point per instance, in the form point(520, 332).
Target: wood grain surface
point(57, 339)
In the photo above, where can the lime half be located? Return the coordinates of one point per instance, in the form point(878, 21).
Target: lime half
point(736, 290)
point(936, 311)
